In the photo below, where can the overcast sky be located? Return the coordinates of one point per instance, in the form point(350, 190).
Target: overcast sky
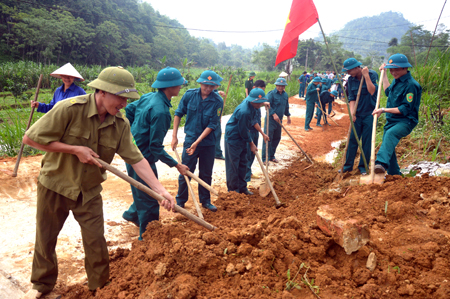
point(238, 15)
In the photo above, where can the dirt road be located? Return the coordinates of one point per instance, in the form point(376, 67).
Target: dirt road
point(18, 203)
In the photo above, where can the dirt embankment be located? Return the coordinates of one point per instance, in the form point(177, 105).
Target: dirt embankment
point(256, 244)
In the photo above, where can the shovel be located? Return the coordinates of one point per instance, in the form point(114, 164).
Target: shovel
point(340, 175)
point(155, 195)
point(309, 159)
point(16, 167)
point(191, 191)
point(264, 188)
point(323, 113)
point(268, 182)
point(372, 178)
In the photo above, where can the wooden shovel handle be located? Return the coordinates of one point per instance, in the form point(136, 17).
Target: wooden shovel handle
point(350, 128)
point(374, 129)
point(267, 143)
point(194, 199)
point(309, 159)
point(268, 182)
point(16, 167)
point(323, 112)
point(203, 183)
point(155, 195)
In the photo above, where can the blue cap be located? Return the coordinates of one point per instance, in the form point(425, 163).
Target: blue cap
point(317, 79)
point(257, 96)
point(209, 78)
point(169, 77)
point(350, 63)
point(397, 61)
point(281, 81)
point(334, 92)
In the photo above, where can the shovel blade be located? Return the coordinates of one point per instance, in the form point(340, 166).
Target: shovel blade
point(264, 189)
point(378, 178)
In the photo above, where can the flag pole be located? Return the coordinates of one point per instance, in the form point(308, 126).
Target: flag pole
point(346, 101)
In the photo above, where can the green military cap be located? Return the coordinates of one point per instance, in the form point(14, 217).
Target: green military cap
point(317, 79)
point(252, 74)
point(350, 63)
point(116, 80)
point(334, 92)
point(257, 96)
point(209, 78)
point(168, 77)
point(281, 81)
point(397, 61)
point(324, 80)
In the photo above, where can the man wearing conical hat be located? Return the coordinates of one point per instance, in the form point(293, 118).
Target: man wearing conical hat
point(73, 134)
point(68, 74)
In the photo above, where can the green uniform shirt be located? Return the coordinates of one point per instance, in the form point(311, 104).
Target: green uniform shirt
point(311, 93)
point(249, 85)
point(367, 101)
point(75, 121)
point(150, 120)
point(302, 79)
point(279, 103)
point(404, 93)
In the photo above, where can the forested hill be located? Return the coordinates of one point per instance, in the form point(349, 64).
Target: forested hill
point(370, 36)
point(103, 32)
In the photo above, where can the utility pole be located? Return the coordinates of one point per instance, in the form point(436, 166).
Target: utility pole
point(306, 62)
point(414, 49)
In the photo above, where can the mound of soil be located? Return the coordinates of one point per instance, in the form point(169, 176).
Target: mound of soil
point(258, 249)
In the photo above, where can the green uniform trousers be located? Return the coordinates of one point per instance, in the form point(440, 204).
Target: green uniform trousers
point(218, 132)
point(363, 127)
point(309, 113)
point(393, 132)
point(301, 91)
point(52, 211)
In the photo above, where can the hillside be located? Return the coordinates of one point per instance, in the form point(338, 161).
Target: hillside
point(372, 34)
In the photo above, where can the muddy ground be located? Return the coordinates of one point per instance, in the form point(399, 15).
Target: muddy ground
point(257, 245)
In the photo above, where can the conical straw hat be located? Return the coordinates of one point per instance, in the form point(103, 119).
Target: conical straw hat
point(67, 70)
point(283, 74)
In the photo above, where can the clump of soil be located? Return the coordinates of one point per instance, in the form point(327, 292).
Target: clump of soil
point(249, 256)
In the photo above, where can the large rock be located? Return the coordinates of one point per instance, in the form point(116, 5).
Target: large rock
point(350, 234)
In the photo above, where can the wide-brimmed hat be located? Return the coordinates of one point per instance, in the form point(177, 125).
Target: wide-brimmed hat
point(317, 79)
point(334, 92)
point(283, 74)
point(397, 61)
point(281, 81)
point(169, 77)
point(116, 80)
point(257, 96)
point(252, 74)
point(350, 63)
point(67, 70)
point(209, 78)
point(324, 80)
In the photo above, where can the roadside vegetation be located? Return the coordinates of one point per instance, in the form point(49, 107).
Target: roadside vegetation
point(429, 141)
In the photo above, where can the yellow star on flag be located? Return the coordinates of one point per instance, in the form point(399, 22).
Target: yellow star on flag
point(288, 21)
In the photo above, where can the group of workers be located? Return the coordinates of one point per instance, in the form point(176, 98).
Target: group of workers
point(84, 127)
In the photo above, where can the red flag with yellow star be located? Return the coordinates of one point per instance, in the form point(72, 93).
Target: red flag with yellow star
point(303, 14)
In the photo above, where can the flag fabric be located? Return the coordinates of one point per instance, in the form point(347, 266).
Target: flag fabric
point(303, 14)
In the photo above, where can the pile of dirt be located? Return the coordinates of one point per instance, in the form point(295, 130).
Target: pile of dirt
point(258, 249)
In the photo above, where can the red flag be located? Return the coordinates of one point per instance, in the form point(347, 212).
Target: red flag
point(303, 14)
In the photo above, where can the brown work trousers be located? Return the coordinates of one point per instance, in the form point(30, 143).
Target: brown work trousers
point(52, 211)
